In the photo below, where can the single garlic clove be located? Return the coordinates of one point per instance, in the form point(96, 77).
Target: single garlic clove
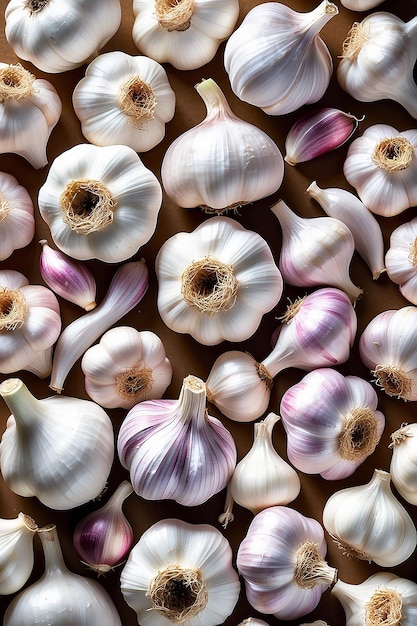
point(401, 259)
point(16, 552)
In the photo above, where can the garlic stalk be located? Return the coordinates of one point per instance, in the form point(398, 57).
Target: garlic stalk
point(17, 216)
point(59, 449)
point(378, 58)
point(173, 449)
point(16, 552)
point(315, 251)
point(29, 107)
point(332, 423)
point(316, 331)
point(282, 562)
point(180, 573)
point(262, 478)
point(383, 598)
point(401, 259)
point(403, 466)
point(127, 288)
point(60, 597)
point(223, 162)
point(104, 537)
point(276, 59)
point(366, 231)
point(369, 523)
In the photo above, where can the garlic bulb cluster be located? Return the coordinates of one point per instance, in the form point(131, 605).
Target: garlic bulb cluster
point(369, 523)
point(401, 259)
point(216, 282)
point(186, 33)
point(68, 462)
point(100, 202)
point(175, 450)
point(223, 162)
point(124, 99)
point(57, 38)
point(282, 562)
point(278, 82)
point(403, 466)
point(378, 58)
point(16, 552)
point(29, 107)
point(17, 218)
point(180, 573)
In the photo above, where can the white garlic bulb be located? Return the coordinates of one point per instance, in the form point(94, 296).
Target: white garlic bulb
point(360, 5)
point(17, 217)
point(401, 259)
point(16, 552)
point(403, 466)
point(223, 162)
point(124, 99)
point(262, 74)
point(369, 523)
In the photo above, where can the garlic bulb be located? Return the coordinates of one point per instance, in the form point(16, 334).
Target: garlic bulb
point(315, 251)
point(57, 38)
point(59, 449)
point(17, 219)
point(382, 166)
point(100, 202)
point(60, 597)
point(180, 573)
point(401, 259)
point(282, 562)
point(16, 552)
point(276, 59)
point(223, 162)
point(332, 423)
point(30, 323)
point(29, 107)
point(366, 231)
point(383, 598)
point(369, 523)
point(378, 58)
point(360, 5)
point(403, 466)
point(388, 347)
point(186, 33)
point(253, 621)
point(216, 282)
point(175, 450)
point(127, 366)
point(262, 478)
point(124, 99)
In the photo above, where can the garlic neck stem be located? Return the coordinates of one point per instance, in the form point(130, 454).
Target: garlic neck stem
point(193, 400)
point(21, 403)
point(213, 98)
point(122, 492)
point(316, 19)
point(54, 560)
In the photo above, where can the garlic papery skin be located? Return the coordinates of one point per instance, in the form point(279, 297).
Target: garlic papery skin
point(124, 99)
point(16, 552)
point(69, 279)
point(332, 423)
point(127, 288)
point(316, 331)
point(29, 107)
point(401, 259)
point(403, 466)
point(185, 34)
point(276, 59)
point(223, 162)
point(30, 322)
point(261, 478)
point(175, 450)
point(282, 562)
point(103, 538)
point(58, 38)
point(388, 347)
point(126, 366)
point(378, 58)
point(216, 282)
point(317, 132)
point(59, 449)
point(61, 597)
point(17, 219)
point(315, 251)
point(180, 573)
point(100, 202)
point(383, 598)
point(369, 523)
point(366, 231)
point(382, 166)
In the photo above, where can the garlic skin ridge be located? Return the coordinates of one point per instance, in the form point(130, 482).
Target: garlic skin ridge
point(16, 552)
point(403, 465)
point(17, 216)
point(401, 259)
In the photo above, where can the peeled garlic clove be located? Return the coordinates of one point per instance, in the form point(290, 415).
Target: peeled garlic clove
point(17, 218)
point(16, 552)
point(317, 132)
point(401, 259)
point(403, 466)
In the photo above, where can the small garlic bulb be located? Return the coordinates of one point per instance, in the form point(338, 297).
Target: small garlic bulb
point(403, 466)
point(223, 162)
point(369, 523)
point(17, 218)
point(401, 259)
point(16, 552)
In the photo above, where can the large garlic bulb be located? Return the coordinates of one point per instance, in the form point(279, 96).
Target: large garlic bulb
point(16, 552)
point(403, 466)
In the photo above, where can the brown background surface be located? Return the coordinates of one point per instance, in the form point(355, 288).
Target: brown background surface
point(186, 355)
